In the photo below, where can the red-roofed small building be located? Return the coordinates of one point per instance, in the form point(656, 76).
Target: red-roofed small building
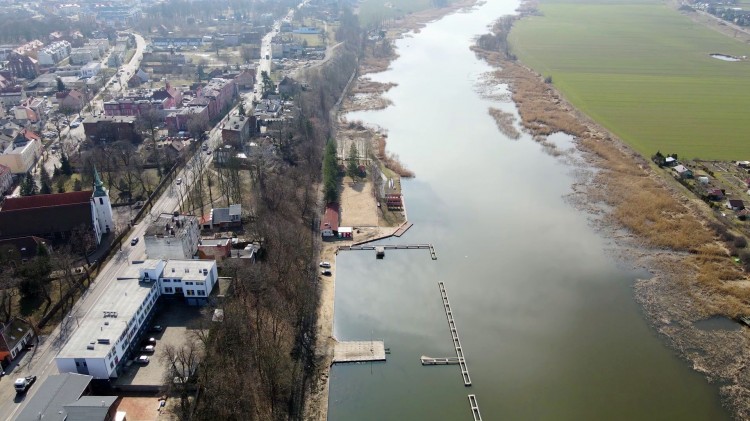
point(329, 226)
point(72, 100)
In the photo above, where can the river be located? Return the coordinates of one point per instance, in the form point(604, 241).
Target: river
point(545, 312)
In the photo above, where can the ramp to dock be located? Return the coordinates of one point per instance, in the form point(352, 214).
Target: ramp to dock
point(439, 361)
point(454, 335)
point(358, 351)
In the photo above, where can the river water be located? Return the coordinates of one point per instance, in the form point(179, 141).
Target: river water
point(545, 313)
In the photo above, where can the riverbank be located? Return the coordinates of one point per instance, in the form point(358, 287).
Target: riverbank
point(656, 227)
point(364, 95)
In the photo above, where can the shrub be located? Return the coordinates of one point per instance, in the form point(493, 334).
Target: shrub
point(740, 242)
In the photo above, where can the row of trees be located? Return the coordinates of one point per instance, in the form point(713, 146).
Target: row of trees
point(261, 358)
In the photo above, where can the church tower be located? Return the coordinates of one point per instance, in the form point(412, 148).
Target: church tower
point(101, 209)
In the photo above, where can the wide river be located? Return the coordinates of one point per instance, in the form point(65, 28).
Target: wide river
point(544, 310)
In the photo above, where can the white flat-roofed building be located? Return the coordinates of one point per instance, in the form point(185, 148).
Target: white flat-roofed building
point(107, 335)
point(195, 279)
point(103, 339)
point(90, 69)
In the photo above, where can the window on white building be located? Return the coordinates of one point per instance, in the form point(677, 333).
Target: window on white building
point(201, 292)
point(168, 290)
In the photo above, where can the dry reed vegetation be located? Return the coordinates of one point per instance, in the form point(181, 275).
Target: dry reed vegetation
point(694, 274)
point(505, 122)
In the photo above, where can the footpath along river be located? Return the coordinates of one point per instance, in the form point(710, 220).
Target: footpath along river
point(544, 310)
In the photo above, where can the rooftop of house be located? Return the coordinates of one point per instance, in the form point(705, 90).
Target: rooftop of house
point(112, 119)
point(331, 218)
point(232, 213)
point(215, 242)
point(168, 225)
point(236, 122)
point(14, 331)
point(188, 270)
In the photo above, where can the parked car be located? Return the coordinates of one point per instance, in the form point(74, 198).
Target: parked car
point(325, 264)
point(150, 341)
point(148, 349)
point(143, 359)
point(156, 329)
point(74, 124)
point(325, 272)
point(134, 241)
point(179, 181)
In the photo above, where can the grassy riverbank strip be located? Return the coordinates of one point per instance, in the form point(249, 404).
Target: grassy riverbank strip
point(643, 71)
point(655, 224)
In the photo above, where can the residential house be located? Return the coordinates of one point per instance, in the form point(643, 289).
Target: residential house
point(223, 218)
point(111, 129)
point(172, 237)
point(22, 66)
point(84, 55)
point(71, 99)
point(54, 53)
point(329, 226)
point(735, 205)
point(13, 338)
point(288, 87)
point(245, 79)
point(715, 194)
point(139, 77)
point(237, 129)
point(220, 93)
point(90, 69)
point(21, 153)
point(215, 249)
point(682, 171)
point(181, 119)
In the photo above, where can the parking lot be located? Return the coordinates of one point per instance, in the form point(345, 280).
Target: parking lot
point(178, 320)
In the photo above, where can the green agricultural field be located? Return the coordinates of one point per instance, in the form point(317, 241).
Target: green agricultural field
point(373, 11)
point(644, 71)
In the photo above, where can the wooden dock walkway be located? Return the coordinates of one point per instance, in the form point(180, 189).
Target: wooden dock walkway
point(358, 351)
point(429, 247)
point(475, 408)
point(439, 361)
point(454, 335)
point(402, 229)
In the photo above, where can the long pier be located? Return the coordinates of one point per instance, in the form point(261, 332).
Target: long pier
point(454, 335)
point(439, 361)
point(429, 247)
point(475, 408)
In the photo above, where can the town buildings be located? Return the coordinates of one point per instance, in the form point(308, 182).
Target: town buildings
point(22, 66)
point(172, 237)
point(73, 100)
point(66, 397)
point(109, 334)
point(238, 129)
point(223, 218)
point(135, 102)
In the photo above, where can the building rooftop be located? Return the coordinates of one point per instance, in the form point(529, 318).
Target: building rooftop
point(99, 330)
point(51, 397)
point(168, 225)
point(46, 200)
point(223, 242)
point(188, 270)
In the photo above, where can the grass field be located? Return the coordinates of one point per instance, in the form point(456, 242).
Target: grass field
point(644, 72)
point(373, 11)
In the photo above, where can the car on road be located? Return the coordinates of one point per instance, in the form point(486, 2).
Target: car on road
point(143, 359)
point(325, 272)
point(178, 181)
point(325, 264)
point(22, 384)
point(134, 241)
point(204, 147)
point(208, 152)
